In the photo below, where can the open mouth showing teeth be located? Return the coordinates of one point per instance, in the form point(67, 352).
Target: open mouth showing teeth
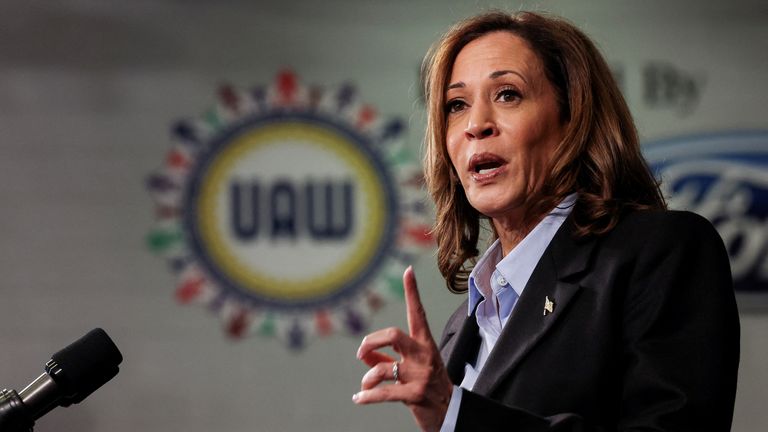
point(485, 163)
point(486, 167)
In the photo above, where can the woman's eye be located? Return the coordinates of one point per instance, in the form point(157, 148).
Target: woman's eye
point(454, 106)
point(508, 95)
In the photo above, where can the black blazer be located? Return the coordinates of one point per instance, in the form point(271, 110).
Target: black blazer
point(643, 335)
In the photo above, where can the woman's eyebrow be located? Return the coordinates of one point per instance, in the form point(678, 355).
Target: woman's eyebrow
point(493, 76)
point(499, 73)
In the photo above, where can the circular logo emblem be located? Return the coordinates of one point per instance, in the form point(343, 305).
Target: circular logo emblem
point(289, 210)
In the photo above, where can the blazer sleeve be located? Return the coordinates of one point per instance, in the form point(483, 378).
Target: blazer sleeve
point(679, 341)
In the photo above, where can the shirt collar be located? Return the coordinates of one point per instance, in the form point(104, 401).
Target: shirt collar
point(520, 262)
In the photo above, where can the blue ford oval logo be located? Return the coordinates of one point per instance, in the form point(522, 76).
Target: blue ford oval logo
point(723, 177)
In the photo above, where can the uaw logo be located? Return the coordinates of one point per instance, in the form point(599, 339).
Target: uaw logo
point(724, 178)
point(290, 211)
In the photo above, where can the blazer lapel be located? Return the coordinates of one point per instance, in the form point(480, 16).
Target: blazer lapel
point(462, 348)
point(529, 323)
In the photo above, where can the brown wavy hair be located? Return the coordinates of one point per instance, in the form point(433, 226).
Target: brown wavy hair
point(599, 156)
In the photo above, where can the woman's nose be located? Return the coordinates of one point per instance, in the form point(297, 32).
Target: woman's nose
point(481, 125)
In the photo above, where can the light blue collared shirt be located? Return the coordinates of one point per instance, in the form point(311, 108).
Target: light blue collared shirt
point(495, 284)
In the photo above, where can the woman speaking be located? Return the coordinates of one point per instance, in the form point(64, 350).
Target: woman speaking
point(594, 308)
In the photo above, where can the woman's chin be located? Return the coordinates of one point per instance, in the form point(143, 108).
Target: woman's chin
point(494, 208)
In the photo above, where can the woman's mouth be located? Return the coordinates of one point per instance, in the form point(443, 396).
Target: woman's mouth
point(484, 166)
point(487, 167)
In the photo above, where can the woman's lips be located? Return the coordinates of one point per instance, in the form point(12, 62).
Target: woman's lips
point(486, 166)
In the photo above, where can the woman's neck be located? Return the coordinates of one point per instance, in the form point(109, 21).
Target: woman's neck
point(512, 230)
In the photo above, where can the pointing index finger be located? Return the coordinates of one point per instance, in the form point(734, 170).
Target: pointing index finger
point(418, 326)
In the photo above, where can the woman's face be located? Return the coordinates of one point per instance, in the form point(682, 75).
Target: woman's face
point(503, 124)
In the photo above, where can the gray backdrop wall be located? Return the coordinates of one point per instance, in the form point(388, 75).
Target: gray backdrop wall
point(88, 91)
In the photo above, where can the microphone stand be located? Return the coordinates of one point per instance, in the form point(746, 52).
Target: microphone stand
point(13, 413)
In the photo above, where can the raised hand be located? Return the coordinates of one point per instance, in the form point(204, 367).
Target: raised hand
point(422, 382)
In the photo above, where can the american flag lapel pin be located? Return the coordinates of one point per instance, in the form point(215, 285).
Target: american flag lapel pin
point(549, 305)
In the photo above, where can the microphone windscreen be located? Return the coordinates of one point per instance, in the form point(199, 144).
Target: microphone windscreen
point(85, 365)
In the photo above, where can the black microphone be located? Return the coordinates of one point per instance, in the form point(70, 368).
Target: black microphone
point(70, 376)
